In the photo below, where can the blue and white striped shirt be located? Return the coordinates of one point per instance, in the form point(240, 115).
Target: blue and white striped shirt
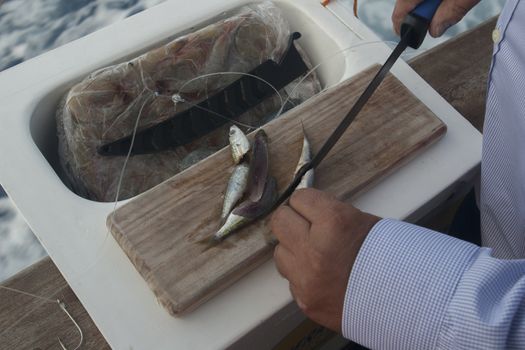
point(413, 288)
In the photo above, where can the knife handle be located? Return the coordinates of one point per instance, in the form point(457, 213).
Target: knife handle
point(416, 23)
point(427, 9)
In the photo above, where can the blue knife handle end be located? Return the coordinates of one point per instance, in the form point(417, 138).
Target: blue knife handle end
point(426, 9)
point(415, 25)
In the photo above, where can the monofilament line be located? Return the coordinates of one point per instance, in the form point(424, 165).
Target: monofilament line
point(61, 305)
point(279, 112)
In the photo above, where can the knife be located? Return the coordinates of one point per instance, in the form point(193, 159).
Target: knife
point(413, 31)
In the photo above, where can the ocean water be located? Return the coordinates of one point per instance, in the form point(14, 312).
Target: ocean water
point(31, 27)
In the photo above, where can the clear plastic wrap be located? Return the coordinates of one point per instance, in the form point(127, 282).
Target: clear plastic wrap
point(109, 103)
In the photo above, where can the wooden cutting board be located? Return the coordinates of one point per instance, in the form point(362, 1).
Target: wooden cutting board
point(161, 229)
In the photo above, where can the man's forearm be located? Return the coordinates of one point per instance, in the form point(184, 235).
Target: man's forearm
point(412, 288)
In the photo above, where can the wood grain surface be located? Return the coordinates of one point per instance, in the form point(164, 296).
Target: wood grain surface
point(29, 323)
point(161, 230)
point(458, 70)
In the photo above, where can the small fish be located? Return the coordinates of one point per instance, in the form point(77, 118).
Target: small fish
point(306, 156)
point(236, 187)
point(239, 143)
point(233, 222)
point(258, 167)
point(248, 211)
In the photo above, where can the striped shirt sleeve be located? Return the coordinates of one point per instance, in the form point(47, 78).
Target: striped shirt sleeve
point(413, 288)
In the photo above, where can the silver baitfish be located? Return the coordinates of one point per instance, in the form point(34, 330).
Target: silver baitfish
point(239, 143)
point(306, 156)
point(236, 188)
point(248, 211)
point(233, 222)
point(262, 190)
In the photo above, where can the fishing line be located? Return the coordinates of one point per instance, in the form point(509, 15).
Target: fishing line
point(60, 304)
point(331, 57)
point(179, 99)
point(279, 112)
point(28, 294)
point(128, 155)
point(17, 291)
point(326, 60)
point(123, 113)
point(63, 307)
point(176, 98)
point(119, 183)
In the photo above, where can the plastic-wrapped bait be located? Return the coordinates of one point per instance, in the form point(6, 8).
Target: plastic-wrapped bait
point(107, 104)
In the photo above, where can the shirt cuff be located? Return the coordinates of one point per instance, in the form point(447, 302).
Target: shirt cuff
point(401, 284)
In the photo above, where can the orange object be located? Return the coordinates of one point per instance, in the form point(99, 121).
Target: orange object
point(326, 2)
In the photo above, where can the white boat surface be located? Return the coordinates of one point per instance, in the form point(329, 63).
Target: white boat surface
point(257, 311)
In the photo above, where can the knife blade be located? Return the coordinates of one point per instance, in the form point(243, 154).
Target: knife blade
point(413, 31)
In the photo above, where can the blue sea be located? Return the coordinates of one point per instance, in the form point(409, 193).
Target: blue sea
point(31, 27)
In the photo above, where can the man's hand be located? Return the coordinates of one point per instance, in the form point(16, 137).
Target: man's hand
point(449, 13)
point(320, 238)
